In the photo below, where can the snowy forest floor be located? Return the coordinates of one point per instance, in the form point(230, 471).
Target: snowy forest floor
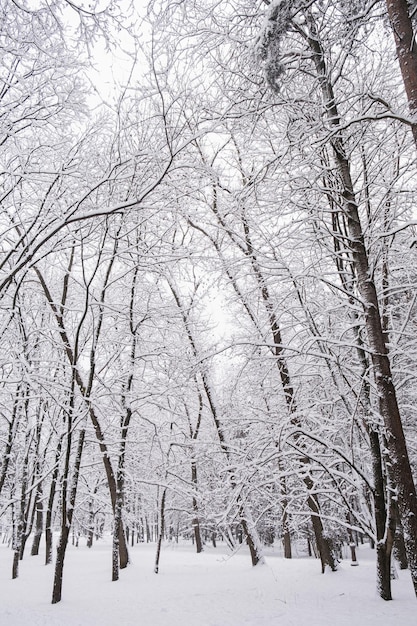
point(208, 589)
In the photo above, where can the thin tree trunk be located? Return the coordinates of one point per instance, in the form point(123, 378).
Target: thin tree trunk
point(323, 545)
point(38, 522)
point(84, 390)
point(116, 540)
point(161, 530)
point(194, 431)
point(249, 529)
point(10, 439)
point(196, 522)
point(19, 532)
point(50, 507)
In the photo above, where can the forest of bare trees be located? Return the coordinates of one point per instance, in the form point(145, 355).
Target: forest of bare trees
point(208, 277)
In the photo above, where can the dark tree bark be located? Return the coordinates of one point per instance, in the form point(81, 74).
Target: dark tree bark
point(66, 519)
point(384, 528)
point(399, 464)
point(194, 431)
point(85, 390)
point(399, 550)
point(10, 438)
point(161, 530)
point(405, 42)
point(38, 521)
point(50, 507)
point(388, 405)
point(383, 508)
point(20, 523)
point(249, 530)
point(196, 521)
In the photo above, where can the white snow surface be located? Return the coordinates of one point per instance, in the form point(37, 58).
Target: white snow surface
point(208, 589)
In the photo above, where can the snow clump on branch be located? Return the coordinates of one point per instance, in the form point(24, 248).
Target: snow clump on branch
point(277, 22)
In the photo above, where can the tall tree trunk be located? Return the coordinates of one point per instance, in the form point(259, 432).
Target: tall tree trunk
point(248, 528)
point(20, 523)
point(405, 42)
point(383, 511)
point(85, 393)
point(388, 405)
point(196, 522)
point(383, 531)
point(66, 520)
point(50, 507)
point(161, 530)
point(322, 543)
point(38, 521)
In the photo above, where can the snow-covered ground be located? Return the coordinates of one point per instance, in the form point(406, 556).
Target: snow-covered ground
point(209, 589)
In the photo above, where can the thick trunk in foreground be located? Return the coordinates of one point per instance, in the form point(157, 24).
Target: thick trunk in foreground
point(384, 532)
point(388, 405)
point(400, 468)
point(405, 42)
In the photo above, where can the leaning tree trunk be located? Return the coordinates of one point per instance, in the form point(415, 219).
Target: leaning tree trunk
point(84, 391)
point(248, 527)
point(387, 398)
point(384, 513)
point(323, 545)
